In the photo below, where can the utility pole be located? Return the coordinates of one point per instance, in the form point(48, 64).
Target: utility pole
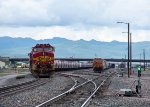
point(140, 59)
point(130, 53)
point(128, 46)
point(144, 58)
point(125, 61)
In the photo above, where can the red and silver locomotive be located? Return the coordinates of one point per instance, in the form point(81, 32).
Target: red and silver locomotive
point(42, 60)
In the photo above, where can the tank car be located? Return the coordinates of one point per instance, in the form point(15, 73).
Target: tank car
point(41, 60)
point(61, 65)
point(99, 65)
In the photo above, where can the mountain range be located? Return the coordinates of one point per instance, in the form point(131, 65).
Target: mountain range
point(64, 48)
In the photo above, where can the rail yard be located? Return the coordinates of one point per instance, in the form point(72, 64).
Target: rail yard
point(76, 88)
point(47, 82)
point(74, 53)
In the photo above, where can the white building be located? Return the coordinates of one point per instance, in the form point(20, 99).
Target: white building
point(2, 64)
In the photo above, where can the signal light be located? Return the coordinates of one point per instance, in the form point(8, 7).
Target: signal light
point(139, 71)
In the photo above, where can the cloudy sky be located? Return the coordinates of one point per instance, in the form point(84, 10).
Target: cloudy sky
point(75, 19)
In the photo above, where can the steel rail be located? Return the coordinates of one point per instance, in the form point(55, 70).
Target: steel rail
point(75, 82)
point(94, 84)
point(21, 88)
point(48, 102)
point(88, 80)
point(56, 98)
point(86, 103)
point(16, 85)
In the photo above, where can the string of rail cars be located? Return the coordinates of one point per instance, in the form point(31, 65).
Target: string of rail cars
point(43, 63)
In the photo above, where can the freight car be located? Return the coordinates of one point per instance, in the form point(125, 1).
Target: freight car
point(71, 65)
point(99, 65)
point(43, 63)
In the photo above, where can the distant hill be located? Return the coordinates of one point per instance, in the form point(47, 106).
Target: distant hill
point(20, 47)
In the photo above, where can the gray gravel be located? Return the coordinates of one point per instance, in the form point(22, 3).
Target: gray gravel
point(110, 97)
point(87, 73)
point(111, 101)
point(77, 98)
point(11, 80)
point(31, 98)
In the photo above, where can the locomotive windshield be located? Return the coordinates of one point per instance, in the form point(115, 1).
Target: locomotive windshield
point(37, 49)
point(48, 49)
point(43, 49)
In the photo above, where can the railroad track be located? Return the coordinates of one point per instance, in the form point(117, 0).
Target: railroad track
point(87, 102)
point(12, 89)
point(82, 93)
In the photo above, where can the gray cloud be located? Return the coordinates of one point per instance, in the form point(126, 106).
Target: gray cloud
point(26, 13)
point(69, 12)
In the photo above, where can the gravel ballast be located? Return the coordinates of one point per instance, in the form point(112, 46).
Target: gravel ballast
point(111, 98)
point(11, 79)
point(33, 97)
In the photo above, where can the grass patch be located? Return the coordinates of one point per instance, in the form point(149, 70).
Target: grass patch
point(3, 74)
point(11, 71)
point(148, 70)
